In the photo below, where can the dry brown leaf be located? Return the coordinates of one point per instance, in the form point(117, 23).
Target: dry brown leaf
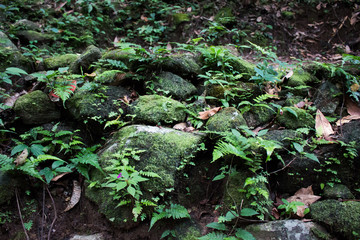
point(353, 18)
point(189, 9)
point(59, 176)
point(207, 114)
point(275, 213)
point(75, 196)
point(323, 126)
point(180, 126)
point(353, 109)
point(92, 75)
point(273, 90)
point(144, 18)
point(347, 119)
point(289, 74)
point(303, 104)
point(168, 47)
point(306, 196)
point(21, 158)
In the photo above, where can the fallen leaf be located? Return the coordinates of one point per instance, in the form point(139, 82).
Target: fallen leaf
point(306, 196)
point(75, 196)
point(275, 213)
point(21, 158)
point(168, 47)
point(323, 126)
point(144, 18)
point(189, 9)
point(272, 90)
point(59, 176)
point(93, 74)
point(353, 109)
point(180, 126)
point(303, 104)
point(207, 114)
point(353, 18)
point(347, 119)
point(289, 74)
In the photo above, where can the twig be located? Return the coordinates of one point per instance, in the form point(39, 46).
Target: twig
point(18, 206)
point(43, 214)
point(287, 165)
point(55, 217)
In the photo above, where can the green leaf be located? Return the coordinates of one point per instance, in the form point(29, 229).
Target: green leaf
point(312, 157)
point(218, 177)
point(37, 149)
point(17, 149)
point(15, 71)
point(291, 111)
point(56, 164)
point(213, 236)
point(48, 173)
point(243, 234)
point(298, 147)
point(248, 212)
point(120, 185)
point(217, 226)
point(131, 190)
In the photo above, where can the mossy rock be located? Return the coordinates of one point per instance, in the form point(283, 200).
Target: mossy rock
point(96, 106)
point(184, 65)
point(283, 136)
point(225, 16)
point(337, 191)
point(155, 109)
point(165, 149)
point(6, 42)
point(179, 18)
point(341, 217)
point(127, 57)
point(326, 98)
point(36, 108)
point(258, 115)
point(174, 86)
point(53, 63)
point(290, 121)
point(302, 78)
point(225, 120)
point(112, 77)
point(26, 24)
point(31, 35)
point(12, 58)
point(88, 57)
point(243, 67)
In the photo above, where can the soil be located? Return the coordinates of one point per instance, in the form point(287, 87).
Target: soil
point(315, 32)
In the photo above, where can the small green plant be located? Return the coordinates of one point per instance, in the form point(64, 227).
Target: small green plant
point(290, 208)
point(173, 211)
point(125, 182)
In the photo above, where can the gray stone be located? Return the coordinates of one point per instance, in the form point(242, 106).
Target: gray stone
point(88, 57)
point(98, 236)
point(327, 98)
point(53, 63)
point(26, 25)
point(36, 108)
point(6, 42)
point(184, 65)
point(174, 85)
point(284, 230)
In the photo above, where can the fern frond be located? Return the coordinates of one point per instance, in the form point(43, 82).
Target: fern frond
point(63, 133)
point(149, 174)
point(263, 97)
point(6, 163)
point(177, 211)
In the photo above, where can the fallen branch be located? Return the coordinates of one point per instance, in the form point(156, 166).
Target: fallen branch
point(21, 219)
point(55, 217)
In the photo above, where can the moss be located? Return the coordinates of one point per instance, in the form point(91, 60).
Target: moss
point(242, 66)
point(288, 14)
point(36, 108)
point(89, 56)
point(225, 120)
point(129, 58)
point(6, 42)
point(12, 58)
point(184, 65)
point(108, 77)
point(179, 18)
point(225, 16)
point(258, 115)
point(321, 235)
point(301, 78)
point(338, 191)
point(174, 85)
point(154, 109)
point(341, 217)
point(60, 61)
point(289, 120)
point(32, 35)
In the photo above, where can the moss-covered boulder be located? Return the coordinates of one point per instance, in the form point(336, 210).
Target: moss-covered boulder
point(341, 217)
point(6, 42)
point(155, 109)
point(88, 57)
point(235, 194)
point(36, 108)
point(165, 149)
point(284, 136)
point(287, 229)
point(31, 35)
point(302, 119)
point(113, 77)
point(302, 78)
point(98, 106)
point(179, 18)
point(14, 58)
point(26, 24)
point(242, 66)
point(174, 86)
point(127, 59)
point(258, 115)
point(337, 191)
point(53, 63)
point(225, 16)
point(184, 65)
point(225, 120)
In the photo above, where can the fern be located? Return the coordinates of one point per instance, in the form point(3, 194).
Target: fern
point(175, 211)
point(83, 160)
point(214, 236)
point(263, 98)
point(6, 163)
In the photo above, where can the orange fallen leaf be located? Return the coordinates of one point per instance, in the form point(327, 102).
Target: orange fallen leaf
point(207, 114)
point(272, 90)
point(59, 176)
point(323, 126)
point(144, 18)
